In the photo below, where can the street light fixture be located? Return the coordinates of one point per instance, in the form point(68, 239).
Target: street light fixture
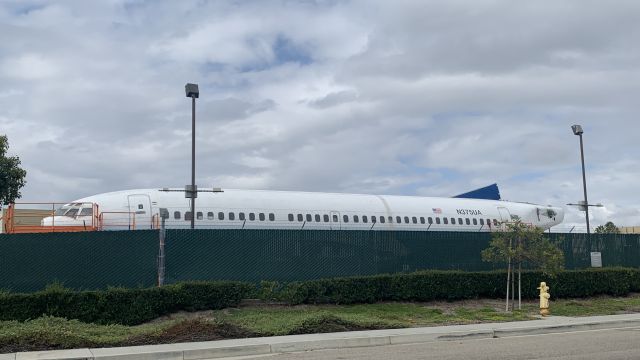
point(191, 191)
point(577, 130)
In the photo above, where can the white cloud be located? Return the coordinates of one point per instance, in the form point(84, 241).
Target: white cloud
point(403, 97)
point(28, 67)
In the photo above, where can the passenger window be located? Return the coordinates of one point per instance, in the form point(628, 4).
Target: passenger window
point(453, 221)
point(481, 221)
point(199, 215)
point(355, 218)
point(232, 216)
point(300, 217)
point(460, 221)
point(421, 219)
point(414, 219)
point(272, 217)
point(437, 220)
point(365, 219)
point(495, 222)
point(210, 215)
point(241, 216)
point(187, 215)
point(317, 217)
point(176, 215)
point(398, 220)
point(325, 217)
point(430, 220)
point(445, 220)
point(290, 217)
point(252, 216)
point(475, 221)
point(309, 218)
point(390, 219)
point(406, 219)
point(467, 221)
point(220, 215)
point(345, 218)
point(382, 219)
point(335, 218)
point(261, 216)
point(489, 222)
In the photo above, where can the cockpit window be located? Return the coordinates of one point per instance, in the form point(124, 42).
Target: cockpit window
point(72, 212)
point(62, 210)
point(75, 209)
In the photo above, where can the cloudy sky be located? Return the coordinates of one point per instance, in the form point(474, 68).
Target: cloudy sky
point(427, 98)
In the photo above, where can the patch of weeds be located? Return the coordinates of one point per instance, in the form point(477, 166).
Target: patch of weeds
point(193, 330)
point(325, 323)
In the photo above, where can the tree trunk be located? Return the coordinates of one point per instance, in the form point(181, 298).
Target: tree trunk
point(508, 280)
point(519, 285)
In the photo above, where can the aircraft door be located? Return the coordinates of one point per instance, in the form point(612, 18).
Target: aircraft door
point(505, 215)
point(335, 220)
point(140, 210)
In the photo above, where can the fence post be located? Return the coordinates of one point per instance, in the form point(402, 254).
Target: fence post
point(164, 214)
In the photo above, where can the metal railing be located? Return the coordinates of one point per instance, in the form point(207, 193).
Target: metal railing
point(18, 220)
point(115, 220)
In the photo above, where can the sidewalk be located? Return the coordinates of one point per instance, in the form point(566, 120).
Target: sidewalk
point(294, 343)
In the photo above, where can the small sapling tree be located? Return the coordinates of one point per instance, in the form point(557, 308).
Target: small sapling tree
point(519, 243)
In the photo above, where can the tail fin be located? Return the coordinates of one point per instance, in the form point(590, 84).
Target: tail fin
point(490, 192)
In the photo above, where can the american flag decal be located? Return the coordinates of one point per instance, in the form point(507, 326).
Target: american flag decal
point(437, 211)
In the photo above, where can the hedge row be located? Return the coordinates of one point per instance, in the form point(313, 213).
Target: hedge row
point(457, 285)
point(123, 306)
point(135, 306)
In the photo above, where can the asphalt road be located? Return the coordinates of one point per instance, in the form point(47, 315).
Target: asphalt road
point(622, 343)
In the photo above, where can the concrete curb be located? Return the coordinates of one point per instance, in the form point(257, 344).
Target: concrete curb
point(568, 327)
point(297, 343)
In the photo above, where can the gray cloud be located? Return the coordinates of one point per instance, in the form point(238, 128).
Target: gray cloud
point(406, 97)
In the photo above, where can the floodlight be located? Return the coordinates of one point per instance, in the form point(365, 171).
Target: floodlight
point(192, 90)
point(577, 129)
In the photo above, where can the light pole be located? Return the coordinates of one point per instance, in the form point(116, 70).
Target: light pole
point(577, 130)
point(191, 190)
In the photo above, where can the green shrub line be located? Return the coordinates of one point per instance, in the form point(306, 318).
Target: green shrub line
point(458, 285)
point(120, 305)
point(136, 306)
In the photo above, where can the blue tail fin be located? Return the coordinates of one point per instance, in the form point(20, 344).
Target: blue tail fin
point(490, 192)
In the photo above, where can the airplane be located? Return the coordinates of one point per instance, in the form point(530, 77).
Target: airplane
point(479, 210)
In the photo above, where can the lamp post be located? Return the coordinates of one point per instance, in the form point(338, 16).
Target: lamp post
point(191, 192)
point(577, 130)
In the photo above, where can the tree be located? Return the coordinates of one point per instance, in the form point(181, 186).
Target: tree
point(520, 243)
point(608, 228)
point(11, 175)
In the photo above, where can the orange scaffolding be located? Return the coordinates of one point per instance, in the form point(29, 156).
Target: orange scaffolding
point(28, 220)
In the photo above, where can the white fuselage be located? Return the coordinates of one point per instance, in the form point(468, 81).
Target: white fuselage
point(262, 209)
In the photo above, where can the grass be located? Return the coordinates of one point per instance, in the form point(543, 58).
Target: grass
point(284, 320)
point(597, 306)
point(268, 320)
point(51, 332)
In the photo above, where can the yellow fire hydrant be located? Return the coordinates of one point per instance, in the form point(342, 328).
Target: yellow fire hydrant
point(544, 299)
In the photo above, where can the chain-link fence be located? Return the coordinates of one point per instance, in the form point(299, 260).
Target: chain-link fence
point(82, 260)
point(92, 260)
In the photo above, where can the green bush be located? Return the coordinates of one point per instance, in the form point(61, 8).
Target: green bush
point(136, 306)
point(122, 306)
point(458, 285)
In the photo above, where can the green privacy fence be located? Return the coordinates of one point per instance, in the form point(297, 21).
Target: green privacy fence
point(93, 260)
point(81, 260)
point(288, 255)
